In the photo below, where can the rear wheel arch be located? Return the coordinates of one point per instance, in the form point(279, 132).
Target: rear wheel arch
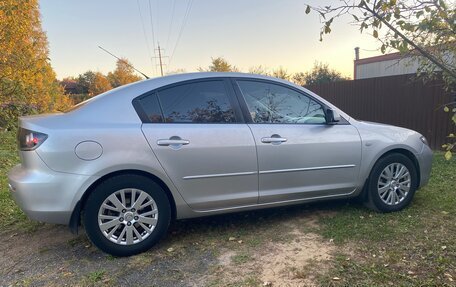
point(75, 220)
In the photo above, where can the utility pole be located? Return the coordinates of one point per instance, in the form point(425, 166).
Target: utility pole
point(160, 58)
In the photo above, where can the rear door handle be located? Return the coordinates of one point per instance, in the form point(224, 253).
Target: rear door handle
point(172, 142)
point(274, 139)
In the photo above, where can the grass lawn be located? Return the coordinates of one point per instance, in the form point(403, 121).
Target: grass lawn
point(414, 247)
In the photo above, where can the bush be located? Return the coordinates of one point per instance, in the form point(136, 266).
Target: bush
point(10, 112)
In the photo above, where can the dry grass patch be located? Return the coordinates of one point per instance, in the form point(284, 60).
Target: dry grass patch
point(279, 263)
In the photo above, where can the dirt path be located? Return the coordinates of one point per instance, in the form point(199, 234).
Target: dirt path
point(248, 249)
point(52, 256)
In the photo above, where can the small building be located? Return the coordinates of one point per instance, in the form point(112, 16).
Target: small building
point(384, 65)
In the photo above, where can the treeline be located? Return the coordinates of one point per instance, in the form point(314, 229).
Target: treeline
point(320, 72)
point(91, 83)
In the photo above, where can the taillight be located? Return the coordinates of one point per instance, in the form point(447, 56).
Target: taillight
point(30, 140)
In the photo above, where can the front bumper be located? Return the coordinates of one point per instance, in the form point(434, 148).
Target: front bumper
point(43, 194)
point(425, 163)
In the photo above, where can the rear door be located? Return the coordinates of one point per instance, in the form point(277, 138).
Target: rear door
point(299, 155)
point(197, 133)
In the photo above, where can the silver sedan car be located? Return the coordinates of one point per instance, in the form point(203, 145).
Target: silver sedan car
point(127, 162)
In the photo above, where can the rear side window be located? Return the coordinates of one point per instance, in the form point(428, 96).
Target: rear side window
point(199, 102)
point(151, 108)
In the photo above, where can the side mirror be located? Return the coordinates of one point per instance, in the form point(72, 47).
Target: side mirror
point(332, 116)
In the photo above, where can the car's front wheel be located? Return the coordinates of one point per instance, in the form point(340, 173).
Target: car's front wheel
point(392, 183)
point(126, 214)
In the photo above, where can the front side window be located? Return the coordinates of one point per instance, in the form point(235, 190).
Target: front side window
point(275, 104)
point(200, 102)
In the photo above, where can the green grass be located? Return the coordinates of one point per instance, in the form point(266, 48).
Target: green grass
point(95, 276)
point(241, 258)
point(414, 247)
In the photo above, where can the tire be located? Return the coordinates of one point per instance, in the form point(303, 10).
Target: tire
point(150, 218)
point(385, 195)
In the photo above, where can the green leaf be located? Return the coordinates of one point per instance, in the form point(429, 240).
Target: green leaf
point(375, 34)
point(383, 49)
point(454, 118)
point(446, 109)
point(308, 9)
point(448, 155)
point(356, 18)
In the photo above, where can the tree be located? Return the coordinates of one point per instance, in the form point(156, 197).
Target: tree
point(424, 29)
point(281, 73)
point(259, 70)
point(26, 76)
point(84, 82)
point(123, 74)
point(320, 73)
point(100, 84)
point(219, 64)
point(299, 79)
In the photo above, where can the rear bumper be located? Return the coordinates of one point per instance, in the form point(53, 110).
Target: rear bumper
point(425, 163)
point(43, 194)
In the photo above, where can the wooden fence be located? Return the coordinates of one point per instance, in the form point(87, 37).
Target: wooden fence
point(397, 100)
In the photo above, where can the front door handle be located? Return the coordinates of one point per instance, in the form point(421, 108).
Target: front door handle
point(174, 142)
point(274, 139)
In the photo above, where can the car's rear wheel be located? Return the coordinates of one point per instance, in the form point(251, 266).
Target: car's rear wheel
point(127, 214)
point(392, 183)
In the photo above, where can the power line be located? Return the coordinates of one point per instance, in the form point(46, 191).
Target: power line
point(145, 35)
point(158, 21)
point(152, 28)
point(171, 23)
point(184, 22)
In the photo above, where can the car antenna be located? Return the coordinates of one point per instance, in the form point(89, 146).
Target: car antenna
point(125, 62)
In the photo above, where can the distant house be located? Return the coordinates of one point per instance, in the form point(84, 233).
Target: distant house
point(71, 86)
point(384, 65)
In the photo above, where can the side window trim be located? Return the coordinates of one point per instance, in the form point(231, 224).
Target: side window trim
point(239, 117)
point(240, 98)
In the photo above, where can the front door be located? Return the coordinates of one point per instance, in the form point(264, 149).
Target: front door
point(299, 155)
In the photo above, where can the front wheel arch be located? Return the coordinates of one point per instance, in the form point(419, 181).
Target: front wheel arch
point(402, 151)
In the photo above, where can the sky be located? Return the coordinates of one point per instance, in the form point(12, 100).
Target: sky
point(246, 33)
